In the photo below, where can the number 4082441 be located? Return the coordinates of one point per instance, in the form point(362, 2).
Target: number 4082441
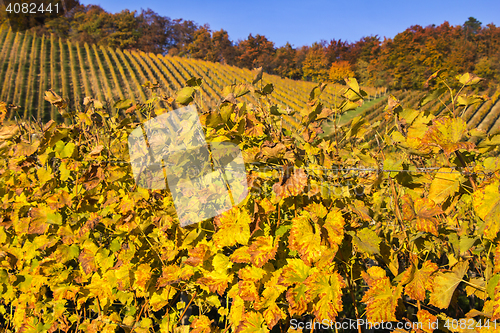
point(32, 8)
point(454, 324)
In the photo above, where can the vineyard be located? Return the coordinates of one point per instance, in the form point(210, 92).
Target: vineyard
point(35, 64)
point(363, 206)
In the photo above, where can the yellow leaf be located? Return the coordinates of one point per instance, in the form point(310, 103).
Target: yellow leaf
point(326, 288)
point(55, 99)
point(334, 224)
point(445, 283)
point(253, 322)
point(3, 112)
point(142, 277)
point(160, 299)
point(479, 282)
point(445, 183)
point(273, 314)
point(486, 203)
point(295, 272)
point(8, 132)
point(447, 133)
point(251, 273)
point(233, 228)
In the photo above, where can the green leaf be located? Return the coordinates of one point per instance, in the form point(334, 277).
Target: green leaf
point(492, 283)
point(435, 94)
point(268, 88)
point(391, 163)
point(194, 82)
point(468, 79)
point(226, 110)
point(466, 243)
point(366, 240)
point(185, 95)
point(470, 100)
point(123, 104)
point(315, 93)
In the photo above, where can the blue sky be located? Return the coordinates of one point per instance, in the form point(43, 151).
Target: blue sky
point(305, 22)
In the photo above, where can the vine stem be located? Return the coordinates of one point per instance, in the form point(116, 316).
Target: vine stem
point(461, 159)
point(349, 284)
point(187, 306)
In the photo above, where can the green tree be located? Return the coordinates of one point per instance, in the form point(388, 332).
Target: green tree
point(472, 26)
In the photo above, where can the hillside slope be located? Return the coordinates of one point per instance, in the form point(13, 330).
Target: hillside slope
point(31, 65)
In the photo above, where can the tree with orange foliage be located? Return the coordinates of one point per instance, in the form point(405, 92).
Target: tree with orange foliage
point(340, 70)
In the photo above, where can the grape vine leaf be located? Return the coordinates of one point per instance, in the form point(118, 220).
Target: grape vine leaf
point(422, 281)
point(445, 283)
point(446, 182)
point(381, 298)
point(486, 203)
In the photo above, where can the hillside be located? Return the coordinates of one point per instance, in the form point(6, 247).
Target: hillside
point(31, 65)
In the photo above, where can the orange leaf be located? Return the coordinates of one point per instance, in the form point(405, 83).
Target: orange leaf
point(215, 281)
point(86, 259)
point(382, 298)
point(262, 250)
point(305, 239)
point(421, 281)
point(142, 277)
point(427, 211)
point(297, 300)
point(248, 291)
point(201, 324)
point(170, 274)
point(427, 320)
point(197, 255)
point(292, 186)
point(241, 255)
